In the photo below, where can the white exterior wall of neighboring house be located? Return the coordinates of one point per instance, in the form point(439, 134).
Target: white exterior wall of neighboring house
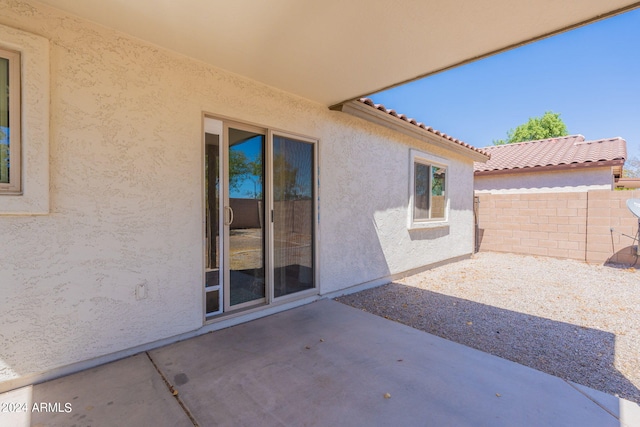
point(126, 198)
point(558, 181)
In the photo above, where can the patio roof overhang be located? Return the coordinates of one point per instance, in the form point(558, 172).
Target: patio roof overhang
point(334, 51)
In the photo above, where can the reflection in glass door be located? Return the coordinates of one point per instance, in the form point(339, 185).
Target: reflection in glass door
point(244, 221)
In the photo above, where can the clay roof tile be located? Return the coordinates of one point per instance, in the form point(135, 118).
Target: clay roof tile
point(566, 150)
point(369, 102)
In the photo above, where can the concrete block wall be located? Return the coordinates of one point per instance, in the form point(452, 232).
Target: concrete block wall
point(608, 210)
point(564, 225)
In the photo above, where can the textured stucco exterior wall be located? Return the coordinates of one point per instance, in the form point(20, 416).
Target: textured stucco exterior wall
point(364, 206)
point(546, 182)
point(126, 197)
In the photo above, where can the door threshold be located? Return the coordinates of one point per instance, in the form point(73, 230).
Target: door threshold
point(261, 310)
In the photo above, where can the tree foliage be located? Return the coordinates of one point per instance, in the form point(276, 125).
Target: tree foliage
point(549, 125)
point(286, 179)
point(239, 169)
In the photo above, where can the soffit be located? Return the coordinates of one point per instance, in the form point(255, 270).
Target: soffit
point(332, 51)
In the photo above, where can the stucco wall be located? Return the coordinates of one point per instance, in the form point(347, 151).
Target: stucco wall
point(126, 197)
point(364, 197)
point(546, 182)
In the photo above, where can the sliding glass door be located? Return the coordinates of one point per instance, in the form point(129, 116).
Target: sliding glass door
point(260, 210)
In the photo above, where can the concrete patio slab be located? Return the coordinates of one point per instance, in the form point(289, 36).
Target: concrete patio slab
point(328, 364)
point(627, 412)
point(129, 392)
point(323, 364)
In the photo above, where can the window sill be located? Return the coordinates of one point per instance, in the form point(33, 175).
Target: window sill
point(428, 225)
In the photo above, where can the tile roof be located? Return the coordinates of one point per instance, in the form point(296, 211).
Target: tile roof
point(380, 107)
point(569, 150)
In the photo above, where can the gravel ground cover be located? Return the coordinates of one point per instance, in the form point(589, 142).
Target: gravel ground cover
point(577, 321)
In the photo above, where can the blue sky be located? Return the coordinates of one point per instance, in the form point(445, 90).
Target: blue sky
point(248, 187)
point(591, 76)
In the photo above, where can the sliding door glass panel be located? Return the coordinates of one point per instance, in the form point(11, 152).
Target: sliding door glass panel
point(293, 197)
point(246, 217)
point(212, 227)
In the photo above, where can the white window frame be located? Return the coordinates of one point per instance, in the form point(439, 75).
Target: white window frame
point(33, 196)
point(429, 160)
point(14, 186)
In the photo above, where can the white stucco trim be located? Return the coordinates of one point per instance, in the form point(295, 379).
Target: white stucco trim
point(34, 52)
point(546, 181)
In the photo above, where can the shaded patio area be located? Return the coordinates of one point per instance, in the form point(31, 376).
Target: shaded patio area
point(322, 364)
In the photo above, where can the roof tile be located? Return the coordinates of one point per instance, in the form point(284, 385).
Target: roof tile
point(369, 102)
point(566, 150)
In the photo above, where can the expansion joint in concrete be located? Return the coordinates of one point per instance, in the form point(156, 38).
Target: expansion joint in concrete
point(173, 391)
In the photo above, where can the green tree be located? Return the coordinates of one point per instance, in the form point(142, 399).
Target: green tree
point(549, 125)
point(239, 168)
point(255, 175)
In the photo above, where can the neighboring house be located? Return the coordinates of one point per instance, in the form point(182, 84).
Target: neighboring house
point(184, 173)
point(563, 164)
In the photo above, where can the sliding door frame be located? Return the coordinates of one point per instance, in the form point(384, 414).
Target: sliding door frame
point(268, 198)
point(315, 222)
point(226, 147)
